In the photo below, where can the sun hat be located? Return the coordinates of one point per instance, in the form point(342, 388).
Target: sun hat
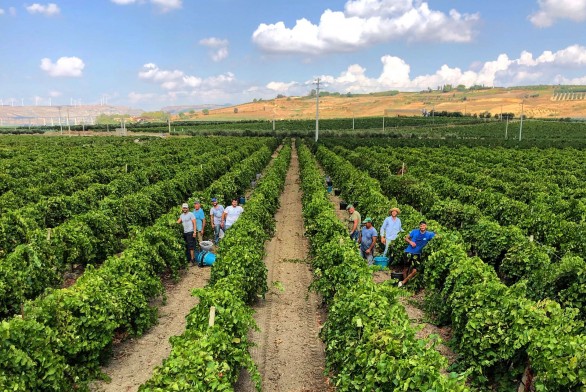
point(395, 209)
point(196, 201)
point(214, 199)
point(367, 220)
point(185, 205)
point(349, 206)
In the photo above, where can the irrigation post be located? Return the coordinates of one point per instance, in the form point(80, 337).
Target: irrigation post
point(507, 128)
point(317, 111)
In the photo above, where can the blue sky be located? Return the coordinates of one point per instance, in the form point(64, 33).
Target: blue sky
point(153, 53)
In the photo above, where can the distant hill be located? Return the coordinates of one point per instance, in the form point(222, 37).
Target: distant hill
point(534, 101)
point(50, 115)
point(187, 108)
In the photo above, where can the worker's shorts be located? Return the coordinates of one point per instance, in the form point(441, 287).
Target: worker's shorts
point(189, 240)
point(413, 260)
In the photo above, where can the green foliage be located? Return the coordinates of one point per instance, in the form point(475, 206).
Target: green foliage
point(67, 333)
point(210, 358)
point(370, 344)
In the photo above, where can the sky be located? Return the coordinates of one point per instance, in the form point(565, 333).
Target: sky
point(149, 54)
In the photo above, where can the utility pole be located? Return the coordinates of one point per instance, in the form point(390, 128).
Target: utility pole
point(521, 124)
point(317, 111)
point(507, 129)
point(68, 125)
point(60, 123)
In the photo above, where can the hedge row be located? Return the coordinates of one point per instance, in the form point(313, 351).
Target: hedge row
point(497, 331)
point(209, 358)
point(370, 344)
point(65, 335)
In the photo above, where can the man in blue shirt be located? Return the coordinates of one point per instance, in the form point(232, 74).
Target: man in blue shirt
point(417, 240)
point(367, 240)
point(200, 220)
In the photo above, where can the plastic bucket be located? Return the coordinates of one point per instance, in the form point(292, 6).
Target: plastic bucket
point(242, 200)
point(206, 258)
point(337, 192)
point(206, 245)
point(382, 261)
point(343, 205)
point(330, 189)
point(397, 275)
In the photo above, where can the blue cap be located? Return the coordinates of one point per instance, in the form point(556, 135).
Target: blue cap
point(214, 199)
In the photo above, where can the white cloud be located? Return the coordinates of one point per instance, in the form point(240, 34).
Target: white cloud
point(65, 66)
point(50, 9)
point(365, 23)
point(552, 10)
point(162, 5)
point(502, 72)
point(168, 5)
point(219, 47)
point(281, 86)
point(178, 80)
point(139, 97)
point(11, 11)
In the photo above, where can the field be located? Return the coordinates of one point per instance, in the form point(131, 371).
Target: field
point(95, 286)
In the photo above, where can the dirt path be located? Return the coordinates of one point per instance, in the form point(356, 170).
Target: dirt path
point(288, 352)
point(135, 359)
point(413, 305)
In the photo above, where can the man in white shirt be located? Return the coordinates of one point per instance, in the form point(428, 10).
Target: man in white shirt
point(231, 214)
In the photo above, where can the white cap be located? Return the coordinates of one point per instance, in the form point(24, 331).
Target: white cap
point(185, 205)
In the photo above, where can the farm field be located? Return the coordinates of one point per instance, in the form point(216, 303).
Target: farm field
point(91, 260)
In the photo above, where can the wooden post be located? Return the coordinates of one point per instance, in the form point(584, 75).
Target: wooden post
point(48, 234)
point(212, 316)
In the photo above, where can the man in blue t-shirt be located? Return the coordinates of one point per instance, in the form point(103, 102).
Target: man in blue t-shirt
point(367, 240)
point(200, 220)
point(417, 240)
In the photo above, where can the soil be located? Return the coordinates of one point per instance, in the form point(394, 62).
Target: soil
point(289, 354)
point(134, 359)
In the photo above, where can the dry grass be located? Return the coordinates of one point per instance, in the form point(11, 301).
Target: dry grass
point(538, 103)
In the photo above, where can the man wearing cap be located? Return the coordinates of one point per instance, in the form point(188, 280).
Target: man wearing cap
point(231, 214)
point(200, 220)
point(390, 228)
point(417, 240)
point(367, 239)
point(353, 222)
point(188, 221)
point(216, 213)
